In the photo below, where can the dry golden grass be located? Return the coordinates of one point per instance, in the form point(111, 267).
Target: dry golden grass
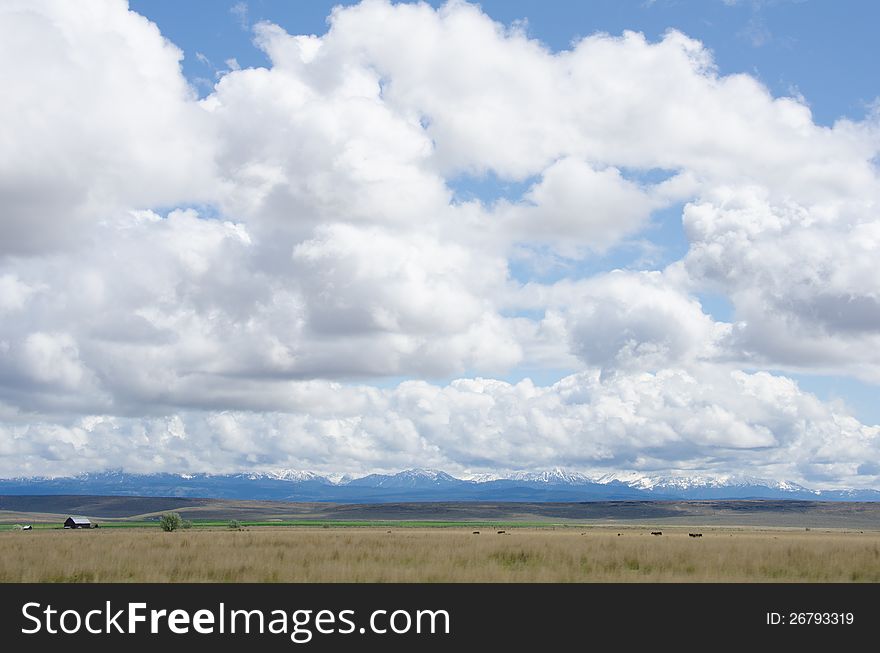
point(435, 555)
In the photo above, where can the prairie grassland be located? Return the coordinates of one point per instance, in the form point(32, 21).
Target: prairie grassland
point(434, 555)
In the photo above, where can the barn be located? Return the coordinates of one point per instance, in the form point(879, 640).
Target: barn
point(77, 522)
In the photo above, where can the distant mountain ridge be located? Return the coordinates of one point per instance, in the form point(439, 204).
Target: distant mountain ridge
point(426, 485)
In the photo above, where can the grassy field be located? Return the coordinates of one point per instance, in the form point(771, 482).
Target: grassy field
point(269, 554)
point(301, 523)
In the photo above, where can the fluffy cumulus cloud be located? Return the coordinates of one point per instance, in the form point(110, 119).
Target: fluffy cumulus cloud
point(701, 421)
point(575, 204)
point(96, 118)
point(634, 323)
point(802, 277)
point(220, 283)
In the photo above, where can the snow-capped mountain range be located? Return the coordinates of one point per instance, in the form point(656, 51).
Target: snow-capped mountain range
point(646, 482)
point(428, 485)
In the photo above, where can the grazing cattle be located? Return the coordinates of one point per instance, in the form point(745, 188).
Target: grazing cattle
point(501, 532)
point(618, 535)
point(695, 534)
point(476, 532)
point(656, 532)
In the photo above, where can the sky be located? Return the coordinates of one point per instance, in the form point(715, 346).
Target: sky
point(613, 237)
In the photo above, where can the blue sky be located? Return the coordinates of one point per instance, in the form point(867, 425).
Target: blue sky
point(826, 51)
point(419, 240)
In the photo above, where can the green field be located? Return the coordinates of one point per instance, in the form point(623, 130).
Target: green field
point(308, 523)
point(145, 512)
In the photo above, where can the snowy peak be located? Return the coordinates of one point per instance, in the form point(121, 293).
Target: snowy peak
point(630, 479)
point(420, 474)
point(486, 477)
point(694, 483)
point(410, 478)
point(555, 476)
point(294, 476)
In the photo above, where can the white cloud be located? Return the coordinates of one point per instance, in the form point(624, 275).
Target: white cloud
point(240, 12)
point(181, 311)
point(96, 118)
point(802, 278)
point(329, 244)
point(492, 99)
point(704, 421)
point(576, 206)
point(52, 358)
point(639, 320)
point(14, 294)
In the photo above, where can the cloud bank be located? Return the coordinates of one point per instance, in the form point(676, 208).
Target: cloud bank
point(241, 281)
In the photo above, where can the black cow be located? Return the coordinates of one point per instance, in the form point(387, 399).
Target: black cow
point(656, 532)
point(695, 534)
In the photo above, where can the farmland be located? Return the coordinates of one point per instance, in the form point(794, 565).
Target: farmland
point(417, 554)
point(742, 541)
point(110, 510)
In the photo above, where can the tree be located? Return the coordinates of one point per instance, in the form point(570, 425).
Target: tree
point(170, 521)
point(234, 524)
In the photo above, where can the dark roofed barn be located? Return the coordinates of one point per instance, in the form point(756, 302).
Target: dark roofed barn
point(77, 522)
